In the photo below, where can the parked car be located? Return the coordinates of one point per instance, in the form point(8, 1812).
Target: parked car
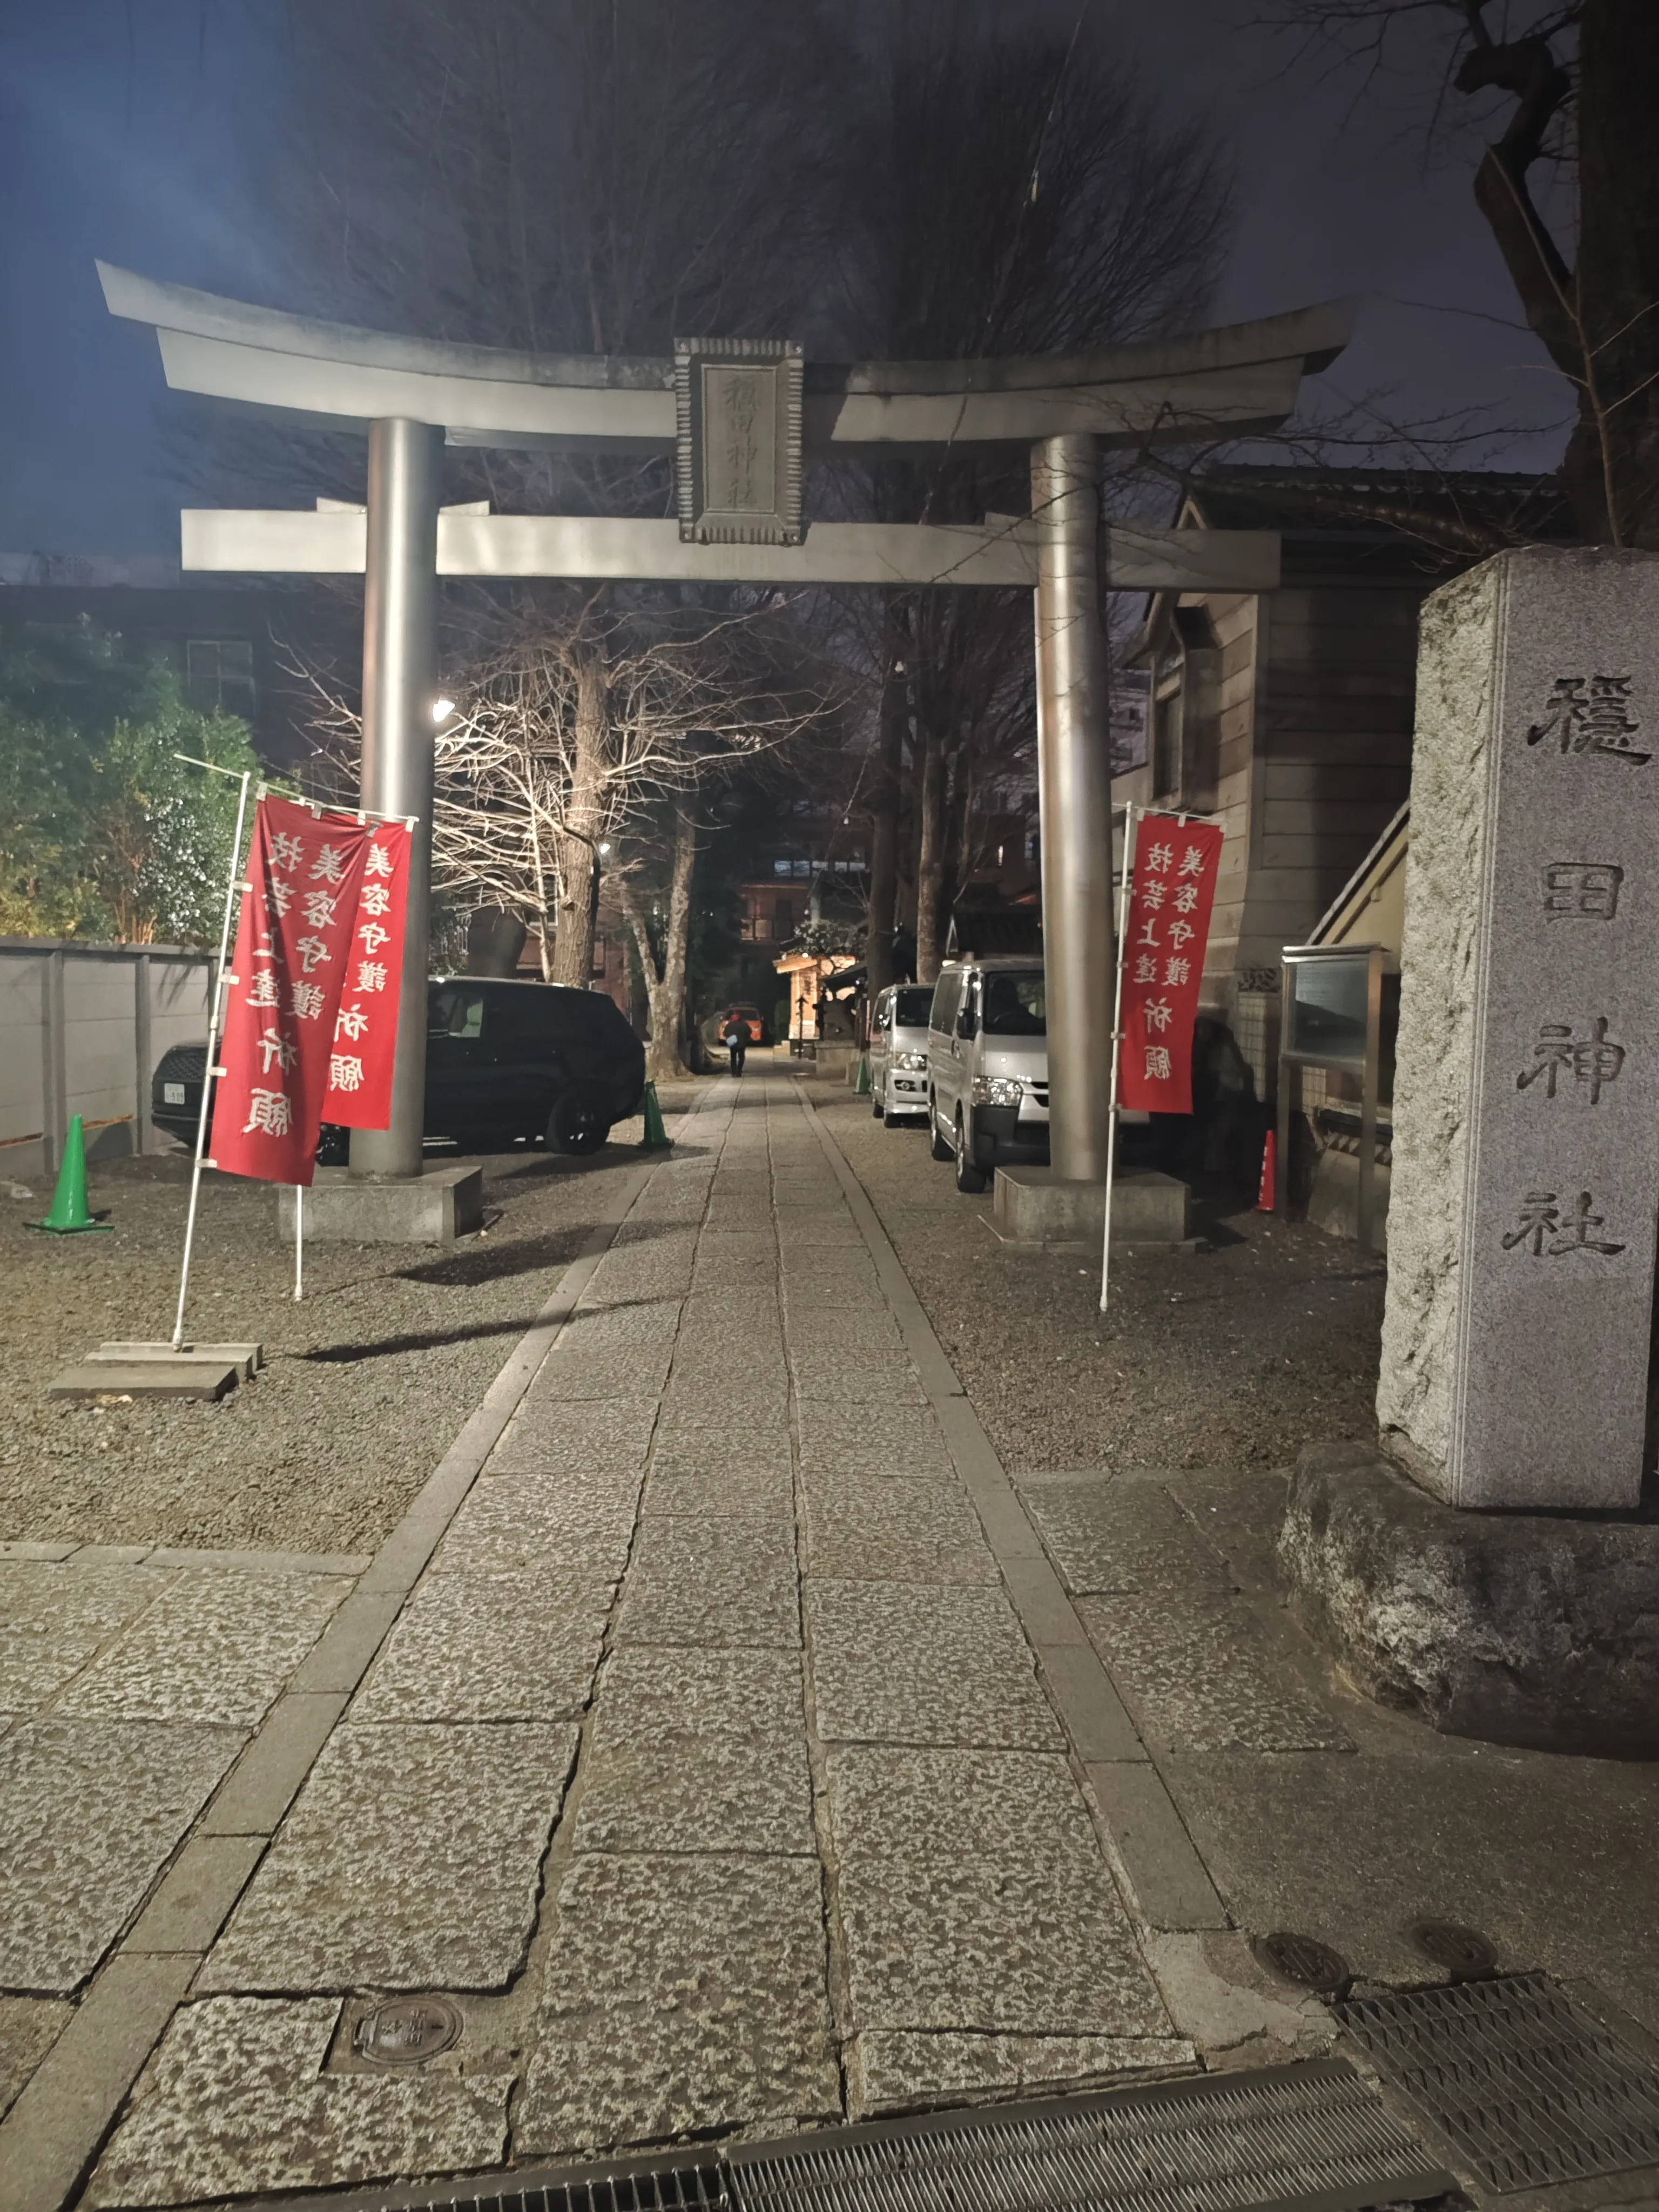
point(504, 1060)
point(898, 1053)
point(988, 1066)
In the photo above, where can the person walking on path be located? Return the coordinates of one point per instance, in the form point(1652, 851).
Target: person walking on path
point(735, 1037)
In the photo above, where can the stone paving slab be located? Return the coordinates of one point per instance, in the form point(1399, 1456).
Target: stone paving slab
point(744, 1492)
point(708, 1584)
point(1121, 1537)
point(657, 1270)
point(90, 1811)
point(848, 1330)
point(236, 2102)
point(211, 1648)
point(898, 1663)
point(647, 1696)
point(687, 1446)
point(56, 1616)
point(989, 1949)
point(845, 1380)
point(410, 1860)
point(853, 1440)
point(538, 1520)
point(730, 1262)
point(685, 1792)
point(587, 1438)
point(711, 1397)
point(683, 1995)
point(607, 1333)
point(28, 2029)
point(1018, 1809)
point(491, 1647)
point(890, 2071)
point(808, 1294)
point(590, 1374)
point(860, 1528)
point(1201, 1676)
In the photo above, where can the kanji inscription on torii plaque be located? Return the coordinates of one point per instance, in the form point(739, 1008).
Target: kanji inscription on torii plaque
point(739, 463)
point(1525, 1194)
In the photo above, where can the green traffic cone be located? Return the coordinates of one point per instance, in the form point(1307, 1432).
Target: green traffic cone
point(69, 1213)
point(861, 1087)
point(656, 1138)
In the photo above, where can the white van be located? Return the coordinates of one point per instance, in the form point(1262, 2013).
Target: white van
point(988, 1066)
point(898, 1052)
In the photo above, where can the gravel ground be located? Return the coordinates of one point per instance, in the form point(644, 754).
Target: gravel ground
point(1234, 1357)
point(368, 1379)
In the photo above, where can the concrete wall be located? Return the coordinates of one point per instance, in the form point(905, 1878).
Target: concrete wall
point(81, 1027)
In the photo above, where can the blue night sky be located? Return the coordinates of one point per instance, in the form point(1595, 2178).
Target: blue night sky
point(126, 124)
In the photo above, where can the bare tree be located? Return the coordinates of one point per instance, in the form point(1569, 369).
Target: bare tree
point(1574, 84)
point(1021, 195)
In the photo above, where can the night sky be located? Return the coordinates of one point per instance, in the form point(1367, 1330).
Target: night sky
point(122, 132)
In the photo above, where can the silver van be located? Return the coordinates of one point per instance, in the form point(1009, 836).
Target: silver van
point(988, 1066)
point(898, 1052)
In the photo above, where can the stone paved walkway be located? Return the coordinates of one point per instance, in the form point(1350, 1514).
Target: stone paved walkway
point(707, 1763)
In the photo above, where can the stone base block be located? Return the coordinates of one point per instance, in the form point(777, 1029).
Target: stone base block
point(182, 1378)
point(1538, 1630)
point(446, 1202)
point(831, 1062)
point(1033, 1205)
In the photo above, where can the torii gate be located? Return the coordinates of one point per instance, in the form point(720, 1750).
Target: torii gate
point(738, 416)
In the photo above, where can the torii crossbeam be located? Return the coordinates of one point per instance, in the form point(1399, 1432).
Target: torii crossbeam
point(740, 521)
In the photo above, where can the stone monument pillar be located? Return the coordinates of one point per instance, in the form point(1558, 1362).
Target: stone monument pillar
point(1516, 1334)
point(1526, 1153)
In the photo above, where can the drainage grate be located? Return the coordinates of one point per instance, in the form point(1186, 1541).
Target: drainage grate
point(627, 2185)
point(1530, 2086)
point(1309, 2135)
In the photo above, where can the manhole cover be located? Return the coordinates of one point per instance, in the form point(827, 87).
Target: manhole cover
point(1304, 1961)
point(1463, 1952)
point(405, 2031)
point(1530, 2087)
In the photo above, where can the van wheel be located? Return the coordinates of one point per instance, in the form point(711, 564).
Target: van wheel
point(579, 1122)
point(970, 1180)
point(875, 1100)
point(938, 1145)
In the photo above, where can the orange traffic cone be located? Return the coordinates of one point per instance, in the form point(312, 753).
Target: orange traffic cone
point(1265, 1196)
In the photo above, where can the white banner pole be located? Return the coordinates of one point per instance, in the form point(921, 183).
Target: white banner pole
point(214, 1006)
point(1131, 825)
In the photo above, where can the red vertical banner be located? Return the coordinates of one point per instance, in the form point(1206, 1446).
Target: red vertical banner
point(366, 1025)
point(293, 942)
point(1176, 867)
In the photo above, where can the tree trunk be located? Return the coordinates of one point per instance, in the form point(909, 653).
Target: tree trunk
point(1600, 321)
point(665, 980)
point(884, 796)
point(577, 853)
point(1614, 459)
point(930, 861)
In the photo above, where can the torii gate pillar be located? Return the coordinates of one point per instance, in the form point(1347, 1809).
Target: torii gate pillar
point(400, 646)
point(1074, 803)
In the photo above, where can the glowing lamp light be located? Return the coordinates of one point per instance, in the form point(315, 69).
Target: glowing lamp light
point(442, 710)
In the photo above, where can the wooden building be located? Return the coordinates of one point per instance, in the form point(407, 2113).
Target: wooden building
point(1290, 715)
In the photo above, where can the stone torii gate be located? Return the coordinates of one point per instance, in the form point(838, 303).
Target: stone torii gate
point(738, 416)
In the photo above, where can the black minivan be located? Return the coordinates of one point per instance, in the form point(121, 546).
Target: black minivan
point(503, 1060)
